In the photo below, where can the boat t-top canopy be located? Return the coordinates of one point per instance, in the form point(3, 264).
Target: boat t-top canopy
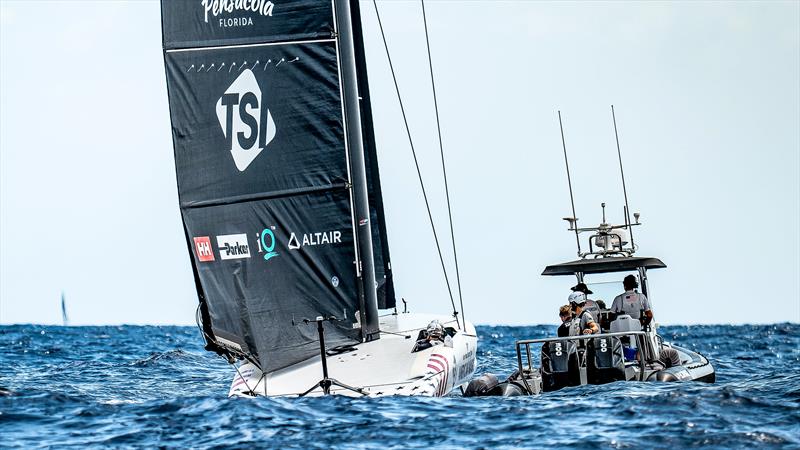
point(604, 265)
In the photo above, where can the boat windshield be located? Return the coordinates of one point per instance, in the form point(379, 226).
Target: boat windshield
point(606, 286)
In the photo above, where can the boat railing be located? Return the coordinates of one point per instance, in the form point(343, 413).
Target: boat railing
point(641, 344)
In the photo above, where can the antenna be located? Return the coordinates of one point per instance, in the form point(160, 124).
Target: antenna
point(574, 222)
point(622, 174)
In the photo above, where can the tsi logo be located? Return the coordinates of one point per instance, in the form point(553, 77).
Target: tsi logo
point(233, 246)
point(266, 243)
point(245, 120)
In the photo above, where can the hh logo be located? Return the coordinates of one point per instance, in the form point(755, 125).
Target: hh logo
point(202, 246)
point(245, 119)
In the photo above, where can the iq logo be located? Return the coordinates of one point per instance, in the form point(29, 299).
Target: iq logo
point(202, 246)
point(245, 120)
point(266, 243)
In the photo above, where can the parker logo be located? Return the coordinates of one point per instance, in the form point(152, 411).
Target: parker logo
point(266, 243)
point(233, 246)
point(313, 239)
point(202, 246)
point(245, 120)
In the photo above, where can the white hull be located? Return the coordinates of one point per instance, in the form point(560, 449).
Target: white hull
point(382, 367)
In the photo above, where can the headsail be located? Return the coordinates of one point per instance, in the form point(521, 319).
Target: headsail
point(263, 177)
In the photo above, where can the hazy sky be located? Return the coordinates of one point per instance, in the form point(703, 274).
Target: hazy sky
point(708, 107)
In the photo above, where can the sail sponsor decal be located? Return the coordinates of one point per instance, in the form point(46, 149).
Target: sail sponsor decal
point(266, 243)
point(300, 240)
point(466, 368)
point(233, 246)
point(202, 247)
point(231, 11)
point(245, 120)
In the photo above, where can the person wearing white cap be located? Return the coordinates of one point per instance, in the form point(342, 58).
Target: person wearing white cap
point(583, 323)
point(591, 306)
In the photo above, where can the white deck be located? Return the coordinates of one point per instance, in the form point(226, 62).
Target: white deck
point(382, 367)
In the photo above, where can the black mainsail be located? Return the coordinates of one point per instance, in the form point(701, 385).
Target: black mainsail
point(273, 175)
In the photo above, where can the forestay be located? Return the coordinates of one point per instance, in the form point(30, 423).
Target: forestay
point(262, 171)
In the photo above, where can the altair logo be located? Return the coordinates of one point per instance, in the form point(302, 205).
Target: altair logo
point(266, 243)
point(245, 120)
point(314, 239)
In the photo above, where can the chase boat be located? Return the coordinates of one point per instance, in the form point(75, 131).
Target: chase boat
point(624, 350)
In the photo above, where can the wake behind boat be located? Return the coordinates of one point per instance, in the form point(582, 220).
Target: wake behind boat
point(622, 343)
point(282, 210)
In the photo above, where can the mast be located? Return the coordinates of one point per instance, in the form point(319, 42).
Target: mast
point(380, 241)
point(365, 264)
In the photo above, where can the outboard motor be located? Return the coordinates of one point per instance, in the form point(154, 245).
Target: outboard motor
point(485, 385)
point(560, 365)
point(605, 360)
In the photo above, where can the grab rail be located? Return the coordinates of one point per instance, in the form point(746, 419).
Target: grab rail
point(640, 337)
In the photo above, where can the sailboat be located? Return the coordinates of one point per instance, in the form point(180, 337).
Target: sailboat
point(281, 204)
point(64, 317)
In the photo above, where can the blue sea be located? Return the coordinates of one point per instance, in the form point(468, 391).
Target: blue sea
point(148, 387)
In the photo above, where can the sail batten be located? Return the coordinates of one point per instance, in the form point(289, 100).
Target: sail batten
point(263, 44)
point(263, 196)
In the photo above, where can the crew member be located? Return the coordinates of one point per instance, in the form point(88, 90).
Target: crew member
point(633, 303)
point(583, 322)
point(565, 314)
point(433, 335)
point(591, 306)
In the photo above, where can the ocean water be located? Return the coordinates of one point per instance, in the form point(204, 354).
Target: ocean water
point(131, 386)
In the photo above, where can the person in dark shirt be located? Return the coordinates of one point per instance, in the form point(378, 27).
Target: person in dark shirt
point(565, 314)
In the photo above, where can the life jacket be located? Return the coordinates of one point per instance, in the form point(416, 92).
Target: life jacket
point(592, 308)
point(575, 326)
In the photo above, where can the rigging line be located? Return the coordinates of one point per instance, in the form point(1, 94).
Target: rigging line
point(444, 169)
point(416, 163)
point(569, 181)
point(622, 173)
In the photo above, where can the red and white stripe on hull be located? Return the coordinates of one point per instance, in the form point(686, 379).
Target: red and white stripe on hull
point(439, 365)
